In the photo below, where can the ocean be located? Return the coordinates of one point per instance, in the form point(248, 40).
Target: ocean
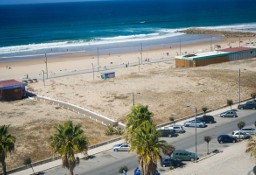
point(112, 26)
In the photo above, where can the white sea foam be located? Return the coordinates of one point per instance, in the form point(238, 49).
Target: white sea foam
point(32, 49)
point(160, 34)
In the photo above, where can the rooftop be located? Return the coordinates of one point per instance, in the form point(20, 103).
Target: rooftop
point(10, 83)
point(235, 49)
point(202, 55)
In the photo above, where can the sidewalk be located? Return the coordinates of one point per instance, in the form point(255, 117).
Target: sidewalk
point(41, 168)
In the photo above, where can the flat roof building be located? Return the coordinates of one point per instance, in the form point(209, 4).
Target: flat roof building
point(218, 56)
point(12, 90)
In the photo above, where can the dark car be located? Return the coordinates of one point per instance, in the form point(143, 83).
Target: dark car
point(226, 139)
point(207, 119)
point(167, 133)
point(167, 161)
point(248, 105)
point(137, 171)
point(229, 113)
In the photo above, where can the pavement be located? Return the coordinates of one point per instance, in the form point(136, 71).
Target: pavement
point(228, 157)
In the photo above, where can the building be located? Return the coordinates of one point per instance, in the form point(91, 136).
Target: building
point(218, 56)
point(12, 90)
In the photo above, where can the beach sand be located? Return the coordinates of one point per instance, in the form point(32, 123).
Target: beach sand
point(168, 91)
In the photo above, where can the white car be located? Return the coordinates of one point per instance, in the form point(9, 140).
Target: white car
point(241, 135)
point(122, 147)
point(176, 128)
point(249, 130)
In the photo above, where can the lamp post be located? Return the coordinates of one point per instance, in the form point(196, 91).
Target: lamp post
point(46, 66)
point(92, 72)
point(239, 86)
point(141, 53)
point(133, 102)
point(98, 59)
point(43, 77)
point(180, 46)
point(195, 136)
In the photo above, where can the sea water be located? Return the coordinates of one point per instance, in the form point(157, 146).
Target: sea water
point(112, 26)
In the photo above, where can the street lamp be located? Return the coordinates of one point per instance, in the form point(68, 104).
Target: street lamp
point(43, 77)
point(239, 86)
point(195, 134)
point(133, 103)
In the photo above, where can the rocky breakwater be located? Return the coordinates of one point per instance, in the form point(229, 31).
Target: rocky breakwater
point(226, 33)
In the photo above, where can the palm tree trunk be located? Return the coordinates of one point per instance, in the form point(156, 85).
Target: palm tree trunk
point(3, 166)
point(207, 147)
point(71, 171)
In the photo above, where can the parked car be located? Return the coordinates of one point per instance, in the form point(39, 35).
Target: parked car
point(248, 105)
point(184, 155)
point(226, 139)
point(229, 113)
point(166, 132)
point(241, 135)
point(207, 119)
point(137, 171)
point(122, 147)
point(176, 128)
point(249, 130)
point(195, 123)
point(167, 161)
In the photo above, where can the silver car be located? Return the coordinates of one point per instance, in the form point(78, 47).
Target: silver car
point(230, 113)
point(249, 130)
point(176, 128)
point(195, 123)
point(122, 147)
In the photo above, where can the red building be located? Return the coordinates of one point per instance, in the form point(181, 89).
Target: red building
point(12, 90)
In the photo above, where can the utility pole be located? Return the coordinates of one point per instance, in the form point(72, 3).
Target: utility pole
point(92, 72)
point(141, 53)
point(133, 99)
point(195, 136)
point(239, 72)
point(46, 65)
point(98, 59)
point(180, 46)
point(139, 63)
point(43, 77)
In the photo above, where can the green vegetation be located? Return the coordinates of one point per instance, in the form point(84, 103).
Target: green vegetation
point(230, 103)
point(27, 162)
point(111, 130)
point(123, 168)
point(253, 95)
point(204, 109)
point(7, 143)
point(68, 141)
point(207, 139)
point(143, 137)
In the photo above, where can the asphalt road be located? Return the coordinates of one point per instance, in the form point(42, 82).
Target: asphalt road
point(109, 162)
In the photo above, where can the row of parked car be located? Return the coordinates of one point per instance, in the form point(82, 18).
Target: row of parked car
point(201, 122)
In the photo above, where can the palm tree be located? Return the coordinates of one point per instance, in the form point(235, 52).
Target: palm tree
point(143, 137)
point(148, 147)
point(207, 139)
point(68, 141)
point(7, 142)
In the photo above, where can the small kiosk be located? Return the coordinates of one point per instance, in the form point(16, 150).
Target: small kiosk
point(107, 75)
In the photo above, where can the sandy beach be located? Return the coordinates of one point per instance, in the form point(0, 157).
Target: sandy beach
point(168, 91)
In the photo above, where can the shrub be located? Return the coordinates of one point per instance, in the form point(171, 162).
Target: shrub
point(254, 170)
point(109, 130)
point(230, 102)
point(118, 131)
point(253, 95)
point(125, 168)
point(204, 109)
